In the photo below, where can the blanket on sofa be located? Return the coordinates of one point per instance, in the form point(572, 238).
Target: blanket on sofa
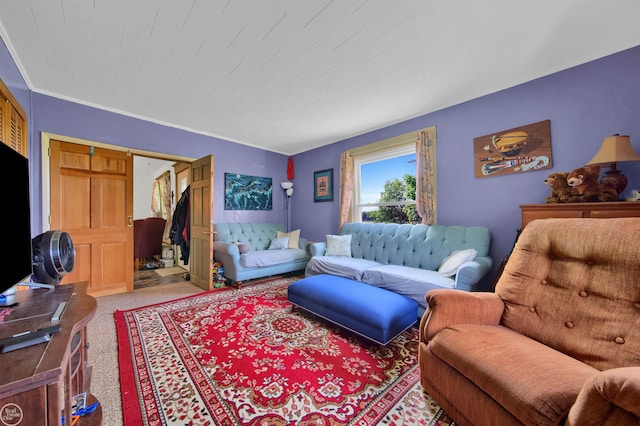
point(264, 258)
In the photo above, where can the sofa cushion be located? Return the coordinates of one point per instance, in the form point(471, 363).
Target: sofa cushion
point(450, 264)
point(342, 266)
point(294, 237)
point(338, 245)
point(413, 283)
point(281, 243)
point(537, 389)
point(262, 258)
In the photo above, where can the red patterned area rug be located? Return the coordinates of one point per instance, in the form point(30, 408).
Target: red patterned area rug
point(243, 357)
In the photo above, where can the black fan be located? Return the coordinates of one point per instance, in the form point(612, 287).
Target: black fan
point(53, 257)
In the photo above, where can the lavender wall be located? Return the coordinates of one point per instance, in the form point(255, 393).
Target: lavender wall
point(585, 104)
point(12, 78)
point(70, 119)
point(48, 114)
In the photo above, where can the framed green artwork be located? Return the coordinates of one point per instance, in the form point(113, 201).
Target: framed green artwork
point(323, 185)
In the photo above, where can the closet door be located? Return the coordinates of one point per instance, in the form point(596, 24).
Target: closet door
point(91, 193)
point(13, 122)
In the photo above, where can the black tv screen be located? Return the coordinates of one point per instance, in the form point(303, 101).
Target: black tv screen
point(17, 258)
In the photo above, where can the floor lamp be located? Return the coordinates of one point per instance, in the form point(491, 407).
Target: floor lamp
point(287, 187)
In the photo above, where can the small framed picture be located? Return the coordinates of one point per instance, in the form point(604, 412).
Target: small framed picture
point(323, 185)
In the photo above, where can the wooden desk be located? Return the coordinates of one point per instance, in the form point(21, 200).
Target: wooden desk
point(576, 210)
point(37, 382)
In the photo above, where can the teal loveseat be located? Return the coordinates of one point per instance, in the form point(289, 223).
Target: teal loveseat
point(257, 262)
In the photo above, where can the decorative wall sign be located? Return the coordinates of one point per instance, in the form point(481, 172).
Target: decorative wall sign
point(323, 185)
point(242, 192)
point(521, 149)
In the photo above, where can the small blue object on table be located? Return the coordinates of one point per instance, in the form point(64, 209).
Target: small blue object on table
point(375, 313)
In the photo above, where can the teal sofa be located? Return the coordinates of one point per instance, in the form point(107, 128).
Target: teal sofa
point(406, 258)
point(258, 261)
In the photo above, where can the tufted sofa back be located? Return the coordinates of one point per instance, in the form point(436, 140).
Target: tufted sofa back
point(418, 246)
point(574, 285)
point(258, 236)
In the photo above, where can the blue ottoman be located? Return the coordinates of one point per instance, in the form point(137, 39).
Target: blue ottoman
point(375, 313)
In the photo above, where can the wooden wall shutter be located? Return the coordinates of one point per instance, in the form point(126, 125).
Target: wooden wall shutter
point(13, 122)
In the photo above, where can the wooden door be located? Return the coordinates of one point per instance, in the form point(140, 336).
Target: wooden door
point(92, 200)
point(201, 222)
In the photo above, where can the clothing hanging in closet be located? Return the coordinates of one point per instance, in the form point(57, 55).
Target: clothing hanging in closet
point(180, 230)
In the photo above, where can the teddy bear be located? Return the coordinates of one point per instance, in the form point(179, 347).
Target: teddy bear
point(585, 186)
point(560, 189)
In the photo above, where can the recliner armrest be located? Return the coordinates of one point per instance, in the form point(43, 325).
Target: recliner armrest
point(610, 397)
point(448, 307)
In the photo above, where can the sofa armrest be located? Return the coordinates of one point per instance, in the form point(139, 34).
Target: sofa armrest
point(303, 243)
point(469, 273)
point(229, 255)
point(610, 397)
point(225, 248)
point(317, 249)
point(448, 307)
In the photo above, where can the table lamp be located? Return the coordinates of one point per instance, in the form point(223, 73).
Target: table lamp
point(615, 149)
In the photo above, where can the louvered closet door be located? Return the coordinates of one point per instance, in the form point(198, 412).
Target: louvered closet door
point(13, 122)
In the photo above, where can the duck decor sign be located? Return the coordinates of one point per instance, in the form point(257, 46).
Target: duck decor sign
point(517, 150)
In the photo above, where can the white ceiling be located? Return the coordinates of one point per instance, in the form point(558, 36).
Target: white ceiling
point(291, 75)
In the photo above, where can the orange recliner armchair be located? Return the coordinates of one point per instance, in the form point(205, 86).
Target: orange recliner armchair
point(558, 343)
point(147, 238)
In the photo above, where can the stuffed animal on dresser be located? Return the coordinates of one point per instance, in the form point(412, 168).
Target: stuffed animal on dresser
point(585, 186)
point(560, 189)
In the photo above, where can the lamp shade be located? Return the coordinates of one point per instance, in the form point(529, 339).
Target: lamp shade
point(615, 149)
point(286, 185)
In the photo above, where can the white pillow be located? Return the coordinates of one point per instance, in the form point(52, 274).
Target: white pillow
point(338, 245)
point(451, 263)
point(279, 243)
point(294, 237)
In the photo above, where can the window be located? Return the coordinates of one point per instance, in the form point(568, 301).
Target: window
point(385, 183)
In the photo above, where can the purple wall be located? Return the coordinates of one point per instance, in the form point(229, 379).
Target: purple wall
point(585, 104)
point(12, 78)
point(70, 119)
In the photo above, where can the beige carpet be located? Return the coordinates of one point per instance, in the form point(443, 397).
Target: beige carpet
point(163, 272)
point(103, 350)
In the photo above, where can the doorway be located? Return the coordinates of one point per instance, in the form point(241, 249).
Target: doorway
point(156, 192)
point(94, 262)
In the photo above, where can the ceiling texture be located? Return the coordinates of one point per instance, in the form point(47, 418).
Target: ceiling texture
point(292, 75)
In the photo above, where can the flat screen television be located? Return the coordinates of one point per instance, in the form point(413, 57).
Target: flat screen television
point(17, 256)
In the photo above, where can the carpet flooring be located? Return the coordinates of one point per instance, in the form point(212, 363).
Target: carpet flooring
point(242, 356)
point(103, 351)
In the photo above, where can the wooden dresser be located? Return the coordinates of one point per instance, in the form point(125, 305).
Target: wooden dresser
point(573, 210)
point(38, 382)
